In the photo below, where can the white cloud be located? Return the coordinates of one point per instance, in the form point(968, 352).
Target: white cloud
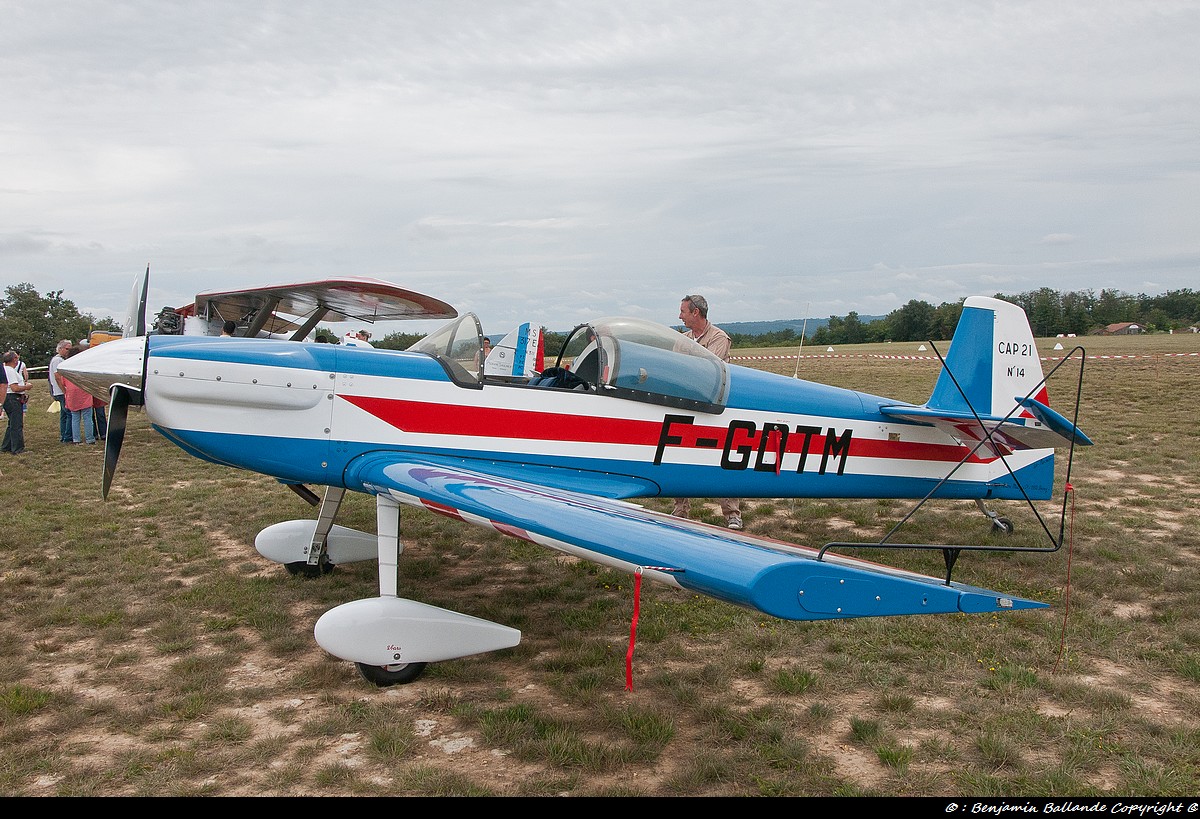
point(600, 158)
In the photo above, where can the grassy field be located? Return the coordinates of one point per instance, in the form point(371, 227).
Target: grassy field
point(149, 650)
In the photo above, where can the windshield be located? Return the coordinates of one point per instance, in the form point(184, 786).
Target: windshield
point(459, 344)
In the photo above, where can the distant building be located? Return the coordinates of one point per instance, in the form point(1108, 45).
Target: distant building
point(1124, 328)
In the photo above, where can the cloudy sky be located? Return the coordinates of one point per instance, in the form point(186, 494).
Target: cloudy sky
point(556, 161)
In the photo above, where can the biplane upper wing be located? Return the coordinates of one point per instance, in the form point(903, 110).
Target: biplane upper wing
point(345, 298)
point(773, 577)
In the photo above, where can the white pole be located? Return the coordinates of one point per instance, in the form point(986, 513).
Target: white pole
point(803, 330)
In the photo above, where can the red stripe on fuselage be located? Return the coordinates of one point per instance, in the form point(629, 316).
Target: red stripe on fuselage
point(425, 418)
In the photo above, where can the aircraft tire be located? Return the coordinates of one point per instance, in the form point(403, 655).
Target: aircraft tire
point(384, 676)
point(302, 568)
point(1003, 526)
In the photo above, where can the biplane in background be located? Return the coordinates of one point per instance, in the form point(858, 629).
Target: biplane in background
point(290, 311)
point(631, 409)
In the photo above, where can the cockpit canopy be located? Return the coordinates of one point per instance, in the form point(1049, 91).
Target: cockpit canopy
point(627, 358)
point(644, 361)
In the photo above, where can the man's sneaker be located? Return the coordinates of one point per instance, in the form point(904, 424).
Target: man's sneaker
point(734, 521)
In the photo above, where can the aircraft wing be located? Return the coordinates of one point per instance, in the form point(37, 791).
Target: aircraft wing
point(770, 576)
point(346, 298)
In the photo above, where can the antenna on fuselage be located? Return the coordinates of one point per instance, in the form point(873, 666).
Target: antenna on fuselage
point(803, 330)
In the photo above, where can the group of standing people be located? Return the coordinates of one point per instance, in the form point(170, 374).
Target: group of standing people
point(82, 418)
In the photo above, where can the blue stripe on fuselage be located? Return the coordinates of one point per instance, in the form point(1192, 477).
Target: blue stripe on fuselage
point(311, 461)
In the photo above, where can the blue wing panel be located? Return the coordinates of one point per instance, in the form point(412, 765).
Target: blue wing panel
point(776, 578)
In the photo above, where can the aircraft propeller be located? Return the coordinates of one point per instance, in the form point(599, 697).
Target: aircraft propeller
point(118, 411)
point(120, 395)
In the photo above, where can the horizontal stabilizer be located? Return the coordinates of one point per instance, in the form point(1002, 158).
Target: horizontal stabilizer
point(1055, 421)
point(1047, 429)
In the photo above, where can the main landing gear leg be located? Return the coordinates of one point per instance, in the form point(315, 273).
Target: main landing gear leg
point(389, 638)
point(1001, 526)
point(387, 515)
point(318, 561)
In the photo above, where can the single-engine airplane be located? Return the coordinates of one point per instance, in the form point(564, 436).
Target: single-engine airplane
point(631, 409)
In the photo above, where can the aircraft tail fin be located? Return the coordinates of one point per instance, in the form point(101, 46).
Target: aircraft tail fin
point(992, 361)
point(993, 375)
point(518, 355)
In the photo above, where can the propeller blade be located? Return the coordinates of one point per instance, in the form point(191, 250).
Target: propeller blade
point(118, 411)
point(141, 313)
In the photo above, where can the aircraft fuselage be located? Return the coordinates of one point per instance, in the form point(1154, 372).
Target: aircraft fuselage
point(305, 412)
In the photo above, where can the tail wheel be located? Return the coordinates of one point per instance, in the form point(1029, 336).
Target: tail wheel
point(1002, 526)
point(386, 675)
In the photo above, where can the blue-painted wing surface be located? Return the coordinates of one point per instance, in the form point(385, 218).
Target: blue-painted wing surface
point(775, 578)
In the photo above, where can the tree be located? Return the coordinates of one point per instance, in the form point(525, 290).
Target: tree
point(856, 331)
point(1077, 312)
point(1114, 307)
point(945, 320)
point(1183, 306)
point(399, 341)
point(912, 322)
point(1045, 312)
point(33, 325)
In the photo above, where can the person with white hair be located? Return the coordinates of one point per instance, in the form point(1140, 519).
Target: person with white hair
point(693, 312)
point(56, 391)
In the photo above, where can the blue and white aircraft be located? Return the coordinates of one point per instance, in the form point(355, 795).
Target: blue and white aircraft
point(631, 409)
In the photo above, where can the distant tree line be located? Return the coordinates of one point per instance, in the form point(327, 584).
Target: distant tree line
point(33, 324)
point(1050, 313)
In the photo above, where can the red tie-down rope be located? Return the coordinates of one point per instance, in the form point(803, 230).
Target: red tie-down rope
point(778, 447)
point(637, 607)
point(1062, 638)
